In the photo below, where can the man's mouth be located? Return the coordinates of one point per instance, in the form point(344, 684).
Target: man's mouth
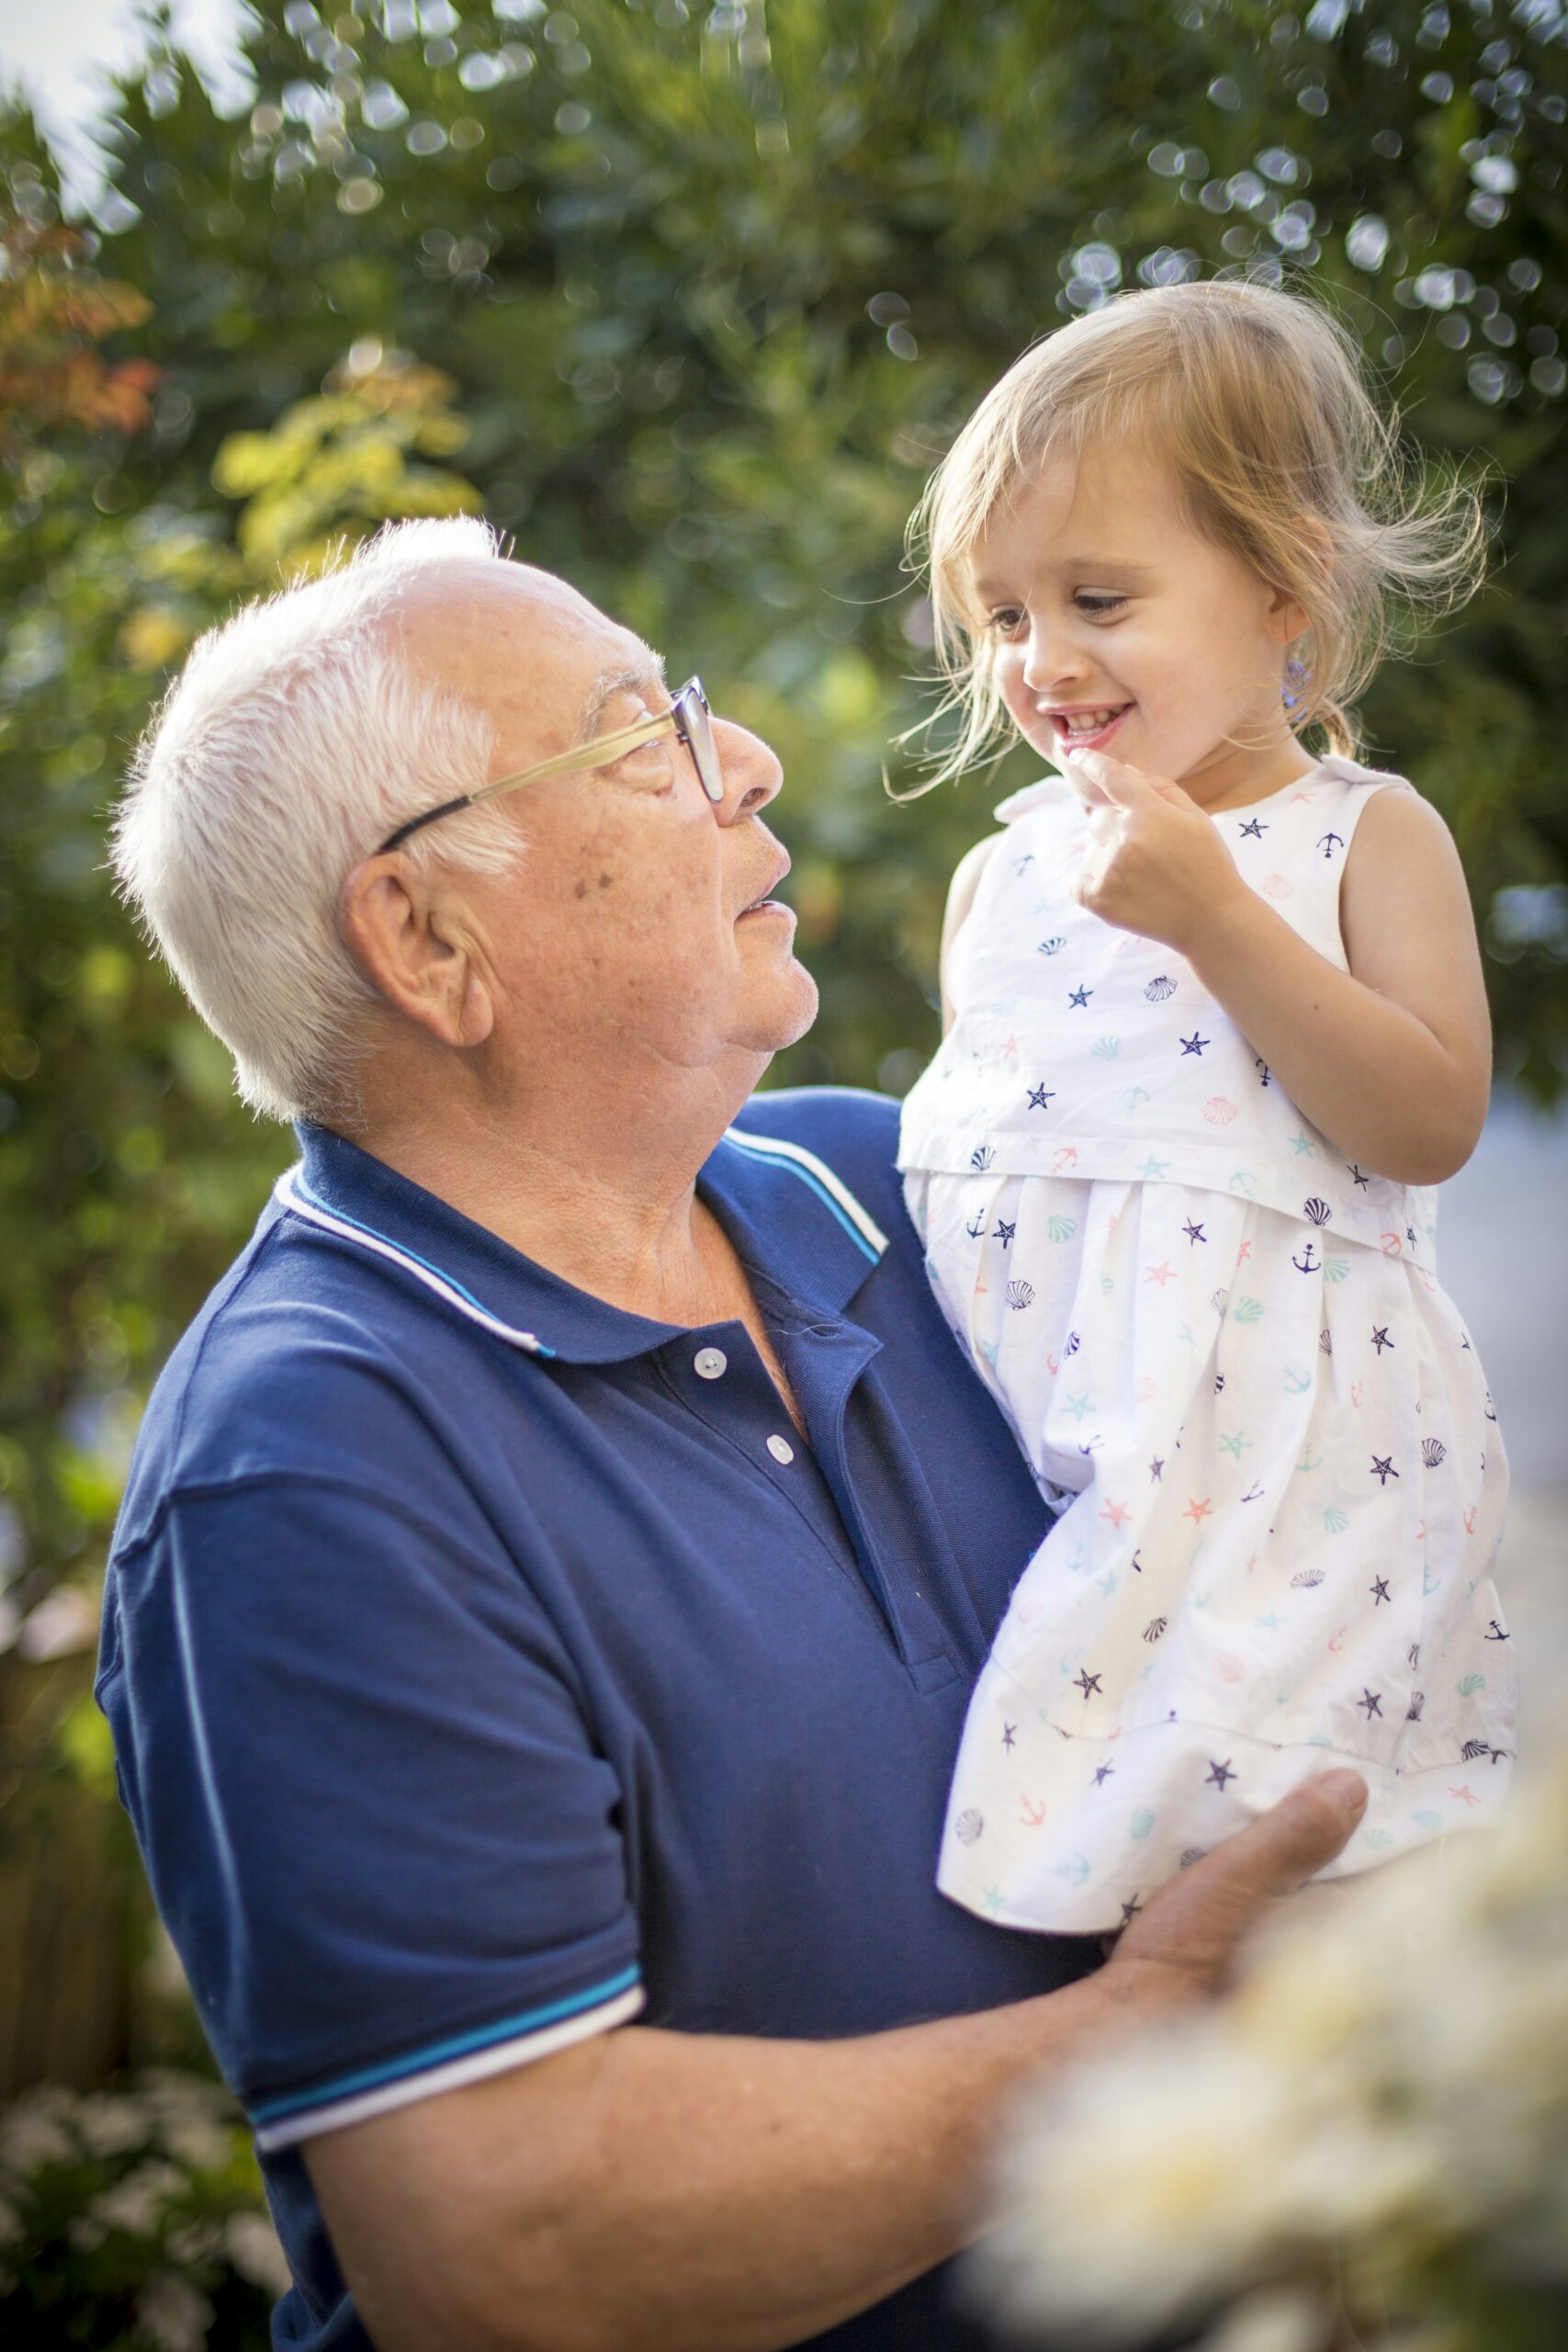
point(1087, 726)
point(764, 902)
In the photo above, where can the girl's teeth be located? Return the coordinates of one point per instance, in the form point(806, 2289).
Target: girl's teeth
point(1089, 722)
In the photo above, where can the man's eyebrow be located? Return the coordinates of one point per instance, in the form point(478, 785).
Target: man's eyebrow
point(628, 678)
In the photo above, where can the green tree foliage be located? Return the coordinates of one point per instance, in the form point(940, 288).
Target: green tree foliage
point(710, 289)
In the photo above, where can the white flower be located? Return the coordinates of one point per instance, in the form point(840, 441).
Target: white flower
point(1151, 2183)
point(1391, 2077)
point(194, 2242)
point(137, 2203)
point(1277, 2319)
point(176, 2314)
point(110, 2126)
point(255, 2251)
point(34, 2132)
point(198, 2143)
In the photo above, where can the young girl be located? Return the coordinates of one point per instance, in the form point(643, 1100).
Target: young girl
point(1217, 1024)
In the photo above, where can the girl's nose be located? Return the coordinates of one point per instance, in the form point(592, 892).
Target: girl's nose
point(1051, 661)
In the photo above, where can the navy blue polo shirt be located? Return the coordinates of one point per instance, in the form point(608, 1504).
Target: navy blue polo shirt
point(489, 1666)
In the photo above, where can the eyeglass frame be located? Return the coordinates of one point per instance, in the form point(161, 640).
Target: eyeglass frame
point(600, 751)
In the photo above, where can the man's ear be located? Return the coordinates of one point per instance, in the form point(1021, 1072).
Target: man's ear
point(418, 947)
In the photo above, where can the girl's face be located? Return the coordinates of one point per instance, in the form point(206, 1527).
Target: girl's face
point(1116, 625)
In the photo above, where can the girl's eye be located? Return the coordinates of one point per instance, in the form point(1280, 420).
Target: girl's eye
point(1097, 605)
point(1006, 621)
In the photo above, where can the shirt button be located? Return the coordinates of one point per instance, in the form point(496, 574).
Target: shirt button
point(710, 1364)
point(780, 1449)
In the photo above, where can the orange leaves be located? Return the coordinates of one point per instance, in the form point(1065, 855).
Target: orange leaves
point(53, 313)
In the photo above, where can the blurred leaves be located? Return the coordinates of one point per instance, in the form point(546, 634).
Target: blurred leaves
point(708, 290)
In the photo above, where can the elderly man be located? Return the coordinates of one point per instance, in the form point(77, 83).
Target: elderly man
point(557, 1558)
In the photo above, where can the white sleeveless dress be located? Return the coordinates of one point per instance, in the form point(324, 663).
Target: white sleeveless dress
point(1279, 1483)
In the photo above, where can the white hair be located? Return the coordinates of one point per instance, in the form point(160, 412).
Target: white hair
point(295, 738)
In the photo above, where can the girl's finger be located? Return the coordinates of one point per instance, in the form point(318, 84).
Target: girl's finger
point(1128, 788)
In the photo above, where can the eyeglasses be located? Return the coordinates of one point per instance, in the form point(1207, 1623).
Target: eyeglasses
point(687, 716)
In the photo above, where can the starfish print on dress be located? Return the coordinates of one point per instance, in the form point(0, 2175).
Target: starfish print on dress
point(1086, 1681)
point(1129, 1909)
point(1080, 997)
point(1199, 1511)
point(1383, 1468)
point(1465, 1795)
point(1364, 1182)
point(1009, 1733)
point(1372, 1701)
point(1303, 1143)
point(1194, 1045)
point(1219, 1773)
point(1102, 1773)
point(1153, 1167)
point(1162, 1274)
point(1379, 1590)
point(1155, 1466)
point(1380, 1338)
point(1254, 829)
point(1117, 1513)
point(1004, 1231)
point(1039, 1096)
point(1194, 1232)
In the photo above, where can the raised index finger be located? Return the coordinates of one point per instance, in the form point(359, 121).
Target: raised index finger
point(1128, 788)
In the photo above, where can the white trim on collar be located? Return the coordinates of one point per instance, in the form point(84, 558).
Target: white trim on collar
point(841, 1200)
point(289, 1195)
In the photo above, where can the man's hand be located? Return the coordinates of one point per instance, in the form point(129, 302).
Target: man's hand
point(1157, 864)
point(653, 2191)
point(1182, 1947)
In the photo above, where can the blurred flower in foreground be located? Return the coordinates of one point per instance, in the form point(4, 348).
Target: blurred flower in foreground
point(133, 2217)
point(1366, 2142)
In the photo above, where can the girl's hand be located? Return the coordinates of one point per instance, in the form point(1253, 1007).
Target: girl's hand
point(1157, 864)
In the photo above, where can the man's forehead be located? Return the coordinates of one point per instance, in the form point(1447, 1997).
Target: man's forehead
point(512, 618)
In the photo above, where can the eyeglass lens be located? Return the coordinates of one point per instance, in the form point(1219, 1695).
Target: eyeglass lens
point(692, 706)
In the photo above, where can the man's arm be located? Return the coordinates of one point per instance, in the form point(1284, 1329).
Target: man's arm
point(650, 2191)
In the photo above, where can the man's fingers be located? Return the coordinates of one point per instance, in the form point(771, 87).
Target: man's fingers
point(1284, 1847)
point(1183, 1947)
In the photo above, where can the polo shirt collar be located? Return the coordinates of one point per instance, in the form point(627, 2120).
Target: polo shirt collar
point(793, 1221)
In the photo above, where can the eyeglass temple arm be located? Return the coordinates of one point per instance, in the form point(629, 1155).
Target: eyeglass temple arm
point(597, 755)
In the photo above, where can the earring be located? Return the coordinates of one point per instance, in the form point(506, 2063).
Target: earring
point(1298, 678)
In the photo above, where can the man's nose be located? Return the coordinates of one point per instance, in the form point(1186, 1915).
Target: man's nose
point(750, 769)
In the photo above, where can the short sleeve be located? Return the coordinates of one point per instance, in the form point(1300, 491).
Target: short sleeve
point(374, 1816)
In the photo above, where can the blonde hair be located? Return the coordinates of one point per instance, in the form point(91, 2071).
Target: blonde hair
point(1259, 400)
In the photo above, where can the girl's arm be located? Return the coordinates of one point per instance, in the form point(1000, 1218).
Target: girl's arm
point(1392, 1060)
point(960, 900)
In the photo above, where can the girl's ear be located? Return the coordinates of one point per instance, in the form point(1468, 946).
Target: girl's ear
point(1288, 616)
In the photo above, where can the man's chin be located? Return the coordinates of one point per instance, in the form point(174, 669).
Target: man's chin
point(788, 1014)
